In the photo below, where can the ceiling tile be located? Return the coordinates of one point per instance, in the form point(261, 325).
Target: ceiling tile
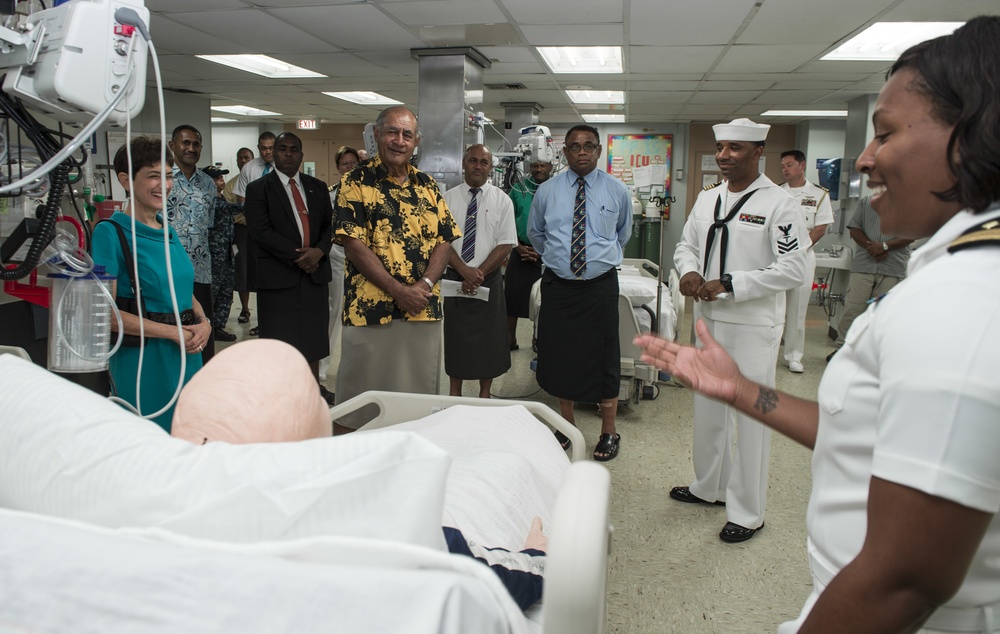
point(445, 12)
point(749, 58)
point(676, 59)
point(642, 97)
point(274, 37)
point(183, 39)
point(657, 23)
point(584, 11)
point(562, 35)
point(355, 26)
point(786, 22)
point(725, 97)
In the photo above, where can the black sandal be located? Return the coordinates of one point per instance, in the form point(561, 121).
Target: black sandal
point(607, 447)
point(564, 442)
point(244, 316)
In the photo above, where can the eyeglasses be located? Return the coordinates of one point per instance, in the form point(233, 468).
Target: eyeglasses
point(586, 147)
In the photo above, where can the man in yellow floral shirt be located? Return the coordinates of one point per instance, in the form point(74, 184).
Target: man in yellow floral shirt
point(396, 230)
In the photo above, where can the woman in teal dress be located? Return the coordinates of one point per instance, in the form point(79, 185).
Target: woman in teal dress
point(161, 359)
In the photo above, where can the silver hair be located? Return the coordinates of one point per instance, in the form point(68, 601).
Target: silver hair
point(382, 116)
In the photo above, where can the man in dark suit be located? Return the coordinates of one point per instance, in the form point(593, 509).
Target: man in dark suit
point(289, 220)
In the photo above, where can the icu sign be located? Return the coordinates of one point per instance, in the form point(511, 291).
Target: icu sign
point(307, 124)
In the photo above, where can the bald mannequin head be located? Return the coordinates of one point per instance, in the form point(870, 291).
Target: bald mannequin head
point(260, 390)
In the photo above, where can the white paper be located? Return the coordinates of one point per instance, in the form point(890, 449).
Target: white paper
point(451, 288)
point(708, 163)
point(658, 174)
point(710, 179)
point(641, 176)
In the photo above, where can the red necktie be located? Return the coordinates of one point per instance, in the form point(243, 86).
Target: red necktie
point(300, 208)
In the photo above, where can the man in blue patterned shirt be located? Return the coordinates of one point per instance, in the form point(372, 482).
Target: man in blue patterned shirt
point(190, 210)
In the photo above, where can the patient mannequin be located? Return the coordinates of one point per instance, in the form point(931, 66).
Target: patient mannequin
point(262, 390)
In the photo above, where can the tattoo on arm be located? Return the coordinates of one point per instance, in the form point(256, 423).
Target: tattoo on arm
point(767, 400)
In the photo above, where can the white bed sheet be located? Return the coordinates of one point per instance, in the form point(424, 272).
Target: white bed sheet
point(60, 576)
point(67, 452)
point(506, 470)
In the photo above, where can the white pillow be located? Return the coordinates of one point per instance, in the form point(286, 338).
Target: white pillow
point(68, 452)
point(639, 290)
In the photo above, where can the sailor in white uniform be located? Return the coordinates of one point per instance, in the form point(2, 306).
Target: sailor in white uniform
point(743, 246)
point(815, 204)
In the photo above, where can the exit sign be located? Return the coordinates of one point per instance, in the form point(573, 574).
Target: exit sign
point(307, 124)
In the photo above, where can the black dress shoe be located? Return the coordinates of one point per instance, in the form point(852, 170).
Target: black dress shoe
point(222, 335)
point(328, 396)
point(255, 331)
point(734, 533)
point(683, 494)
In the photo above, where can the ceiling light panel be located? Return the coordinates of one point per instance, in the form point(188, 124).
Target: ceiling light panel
point(805, 113)
point(604, 118)
point(261, 65)
point(582, 59)
point(364, 98)
point(886, 41)
point(596, 96)
point(246, 111)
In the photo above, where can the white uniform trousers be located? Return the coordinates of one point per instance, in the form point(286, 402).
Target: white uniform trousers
point(796, 303)
point(337, 259)
point(732, 450)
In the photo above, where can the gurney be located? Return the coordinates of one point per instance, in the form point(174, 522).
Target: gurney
point(107, 521)
point(637, 314)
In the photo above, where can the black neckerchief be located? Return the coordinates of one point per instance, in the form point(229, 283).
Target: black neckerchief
point(721, 222)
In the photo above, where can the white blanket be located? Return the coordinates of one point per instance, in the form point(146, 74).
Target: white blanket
point(67, 452)
point(61, 576)
point(506, 469)
point(359, 503)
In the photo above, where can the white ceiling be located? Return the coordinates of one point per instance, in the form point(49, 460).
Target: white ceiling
point(685, 60)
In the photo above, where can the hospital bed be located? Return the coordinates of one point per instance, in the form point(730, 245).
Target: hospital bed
point(107, 521)
point(637, 299)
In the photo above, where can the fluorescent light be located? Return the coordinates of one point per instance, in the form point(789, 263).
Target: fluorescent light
point(246, 111)
point(604, 118)
point(596, 96)
point(582, 59)
point(886, 41)
point(364, 98)
point(261, 65)
point(223, 120)
point(804, 113)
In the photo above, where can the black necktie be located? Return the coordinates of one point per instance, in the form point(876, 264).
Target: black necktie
point(721, 222)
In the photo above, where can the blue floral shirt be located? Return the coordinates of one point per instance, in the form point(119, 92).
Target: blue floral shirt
point(191, 211)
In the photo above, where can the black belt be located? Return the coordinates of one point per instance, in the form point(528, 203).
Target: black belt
point(129, 305)
point(603, 276)
point(724, 242)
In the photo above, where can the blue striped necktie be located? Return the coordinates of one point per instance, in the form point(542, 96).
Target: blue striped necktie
point(469, 235)
point(578, 244)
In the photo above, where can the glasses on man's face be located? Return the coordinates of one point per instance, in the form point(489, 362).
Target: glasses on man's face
point(589, 148)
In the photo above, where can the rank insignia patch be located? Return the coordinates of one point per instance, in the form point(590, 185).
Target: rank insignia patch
point(787, 242)
point(752, 219)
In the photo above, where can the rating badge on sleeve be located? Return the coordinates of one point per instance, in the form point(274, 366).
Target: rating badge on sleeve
point(787, 242)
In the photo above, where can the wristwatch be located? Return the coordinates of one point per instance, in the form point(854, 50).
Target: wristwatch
point(727, 282)
point(885, 246)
